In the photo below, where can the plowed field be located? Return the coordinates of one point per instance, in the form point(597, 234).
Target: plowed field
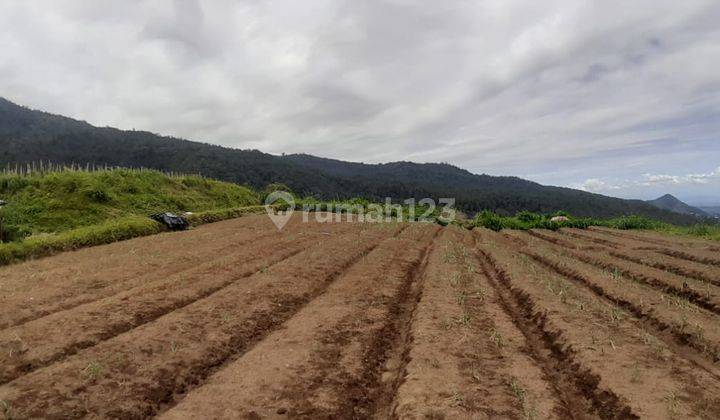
point(351, 321)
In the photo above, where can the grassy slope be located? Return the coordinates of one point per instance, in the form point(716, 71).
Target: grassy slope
point(66, 210)
point(62, 201)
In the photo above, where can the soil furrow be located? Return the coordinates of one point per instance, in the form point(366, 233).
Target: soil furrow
point(699, 258)
point(134, 374)
point(40, 343)
point(687, 256)
point(365, 320)
point(582, 235)
point(658, 239)
point(31, 293)
point(384, 357)
point(657, 258)
point(466, 359)
point(304, 369)
point(703, 349)
point(672, 268)
point(578, 387)
point(654, 379)
point(682, 290)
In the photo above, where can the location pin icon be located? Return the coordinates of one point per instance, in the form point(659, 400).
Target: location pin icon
point(280, 217)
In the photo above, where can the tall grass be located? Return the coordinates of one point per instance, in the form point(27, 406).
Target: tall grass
point(43, 201)
point(56, 208)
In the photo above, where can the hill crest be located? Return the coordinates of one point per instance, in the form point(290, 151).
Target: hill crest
point(671, 203)
point(30, 136)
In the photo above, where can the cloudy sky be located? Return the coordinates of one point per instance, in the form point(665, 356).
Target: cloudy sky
point(616, 97)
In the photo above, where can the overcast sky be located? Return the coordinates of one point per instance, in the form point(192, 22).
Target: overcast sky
point(616, 97)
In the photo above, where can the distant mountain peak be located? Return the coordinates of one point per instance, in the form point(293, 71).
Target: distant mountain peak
point(672, 203)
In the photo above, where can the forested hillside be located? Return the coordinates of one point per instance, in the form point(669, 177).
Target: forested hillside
point(30, 136)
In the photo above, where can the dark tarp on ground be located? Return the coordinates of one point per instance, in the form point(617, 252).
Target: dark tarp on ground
point(172, 221)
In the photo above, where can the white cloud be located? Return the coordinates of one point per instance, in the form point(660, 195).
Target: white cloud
point(651, 185)
point(674, 180)
point(596, 185)
point(563, 89)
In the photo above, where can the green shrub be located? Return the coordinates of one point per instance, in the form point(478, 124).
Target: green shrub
point(525, 220)
point(97, 194)
point(633, 222)
point(212, 216)
point(107, 232)
point(489, 220)
point(271, 188)
point(528, 217)
point(699, 230)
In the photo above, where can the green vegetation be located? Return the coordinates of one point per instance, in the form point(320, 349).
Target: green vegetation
point(63, 209)
point(701, 230)
point(67, 209)
point(526, 220)
point(106, 232)
point(61, 201)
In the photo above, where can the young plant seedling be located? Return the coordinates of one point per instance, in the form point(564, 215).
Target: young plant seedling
point(673, 404)
point(463, 319)
point(497, 338)
point(93, 370)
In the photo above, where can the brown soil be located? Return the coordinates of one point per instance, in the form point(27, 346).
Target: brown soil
point(348, 320)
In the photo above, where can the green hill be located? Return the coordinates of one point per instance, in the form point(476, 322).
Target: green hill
point(669, 202)
point(59, 201)
point(31, 136)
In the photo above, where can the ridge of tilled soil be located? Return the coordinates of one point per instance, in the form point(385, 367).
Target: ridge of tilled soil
point(135, 373)
point(38, 288)
point(350, 320)
point(699, 292)
point(39, 343)
point(632, 360)
point(695, 330)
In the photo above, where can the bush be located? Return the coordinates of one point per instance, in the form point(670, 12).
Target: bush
point(525, 220)
point(97, 195)
point(14, 233)
point(47, 244)
point(633, 222)
point(699, 230)
point(271, 188)
point(528, 217)
point(224, 214)
point(489, 220)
